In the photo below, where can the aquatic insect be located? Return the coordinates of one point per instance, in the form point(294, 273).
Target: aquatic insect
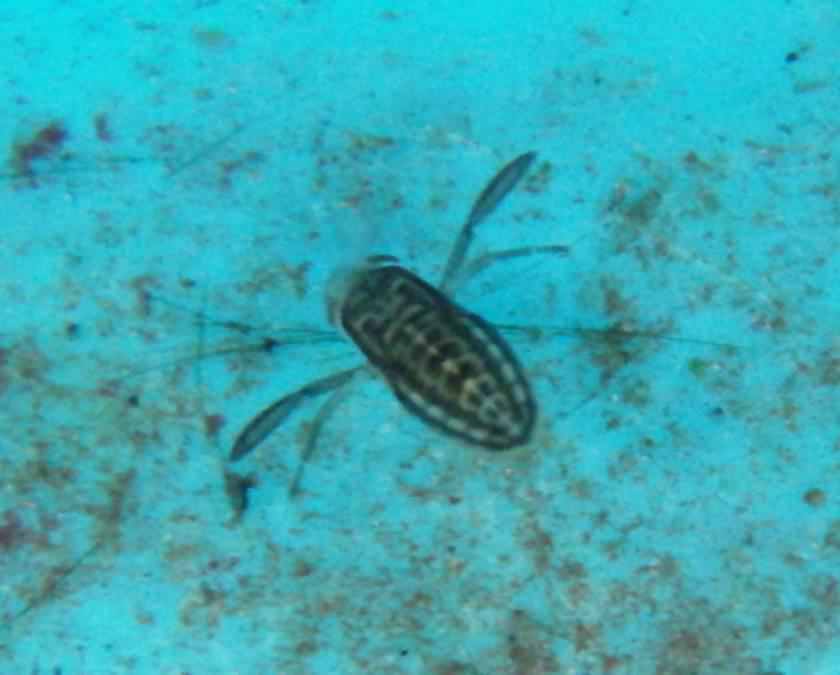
point(446, 365)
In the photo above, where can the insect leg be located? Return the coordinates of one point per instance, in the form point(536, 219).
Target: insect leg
point(256, 431)
point(326, 410)
point(615, 332)
point(254, 339)
point(487, 202)
point(477, 266)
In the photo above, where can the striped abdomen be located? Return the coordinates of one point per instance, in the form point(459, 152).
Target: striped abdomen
point(447, 366)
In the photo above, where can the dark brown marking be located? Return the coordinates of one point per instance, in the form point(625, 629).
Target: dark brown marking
point(428, 348)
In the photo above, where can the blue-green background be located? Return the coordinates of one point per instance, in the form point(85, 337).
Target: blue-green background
point(678, 510)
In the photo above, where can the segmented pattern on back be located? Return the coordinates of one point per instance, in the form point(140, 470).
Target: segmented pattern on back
point(446, 365)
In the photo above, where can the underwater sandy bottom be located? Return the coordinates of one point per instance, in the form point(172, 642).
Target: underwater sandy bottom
point(182, 179)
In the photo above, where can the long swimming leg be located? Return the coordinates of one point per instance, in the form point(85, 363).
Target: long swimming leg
point(256, 431)
point(326, 411)
point(491, 196)
point(477, 266)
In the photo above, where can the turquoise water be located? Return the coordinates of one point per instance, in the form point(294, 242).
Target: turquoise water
point(182, 179)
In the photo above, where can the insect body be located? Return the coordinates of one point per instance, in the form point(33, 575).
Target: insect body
point(446, 365)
